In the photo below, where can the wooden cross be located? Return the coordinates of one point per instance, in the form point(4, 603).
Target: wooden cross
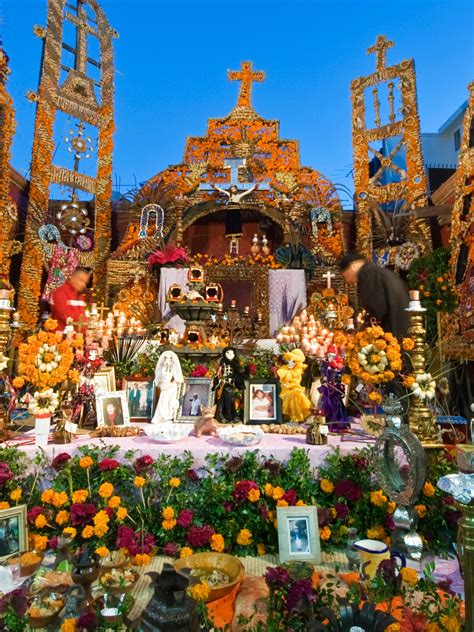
point(83, 28)
point(246, 75)
point(328, 276)
point(380, 49)
point(102, 308)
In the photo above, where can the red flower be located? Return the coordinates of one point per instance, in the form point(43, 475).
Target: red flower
point(81, 513)
point(134, 542)
point(34, 512)
point(242, 489)
point(143, 463)
point(185, 518)
point(199, 536)
point(252, 368)
point(5, 473)
point(412, 622)
point(171, 254)
point(199, 371)
point(60, 460)
point(192, 475)
point(53, 542)
point(108, 464)
point(170, 549)
point(290, 496)
point(347, 489)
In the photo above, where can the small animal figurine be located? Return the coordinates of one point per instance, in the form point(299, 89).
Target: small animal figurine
point(207, 423)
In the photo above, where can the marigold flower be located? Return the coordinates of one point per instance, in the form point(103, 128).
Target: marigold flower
point(428, 489)
point(408, 381)
point(87, 532)
point(300, 503)
point(168, 513)
point(40, 542)
point(244, 537)
point(16, 494)
point(47, 496)
point(168, 524)
point(102, 551)
point(408, 344)
point(4, 505)
point(114, 502)
point(106, 490)
point(282, 503)
point(420, 510)
point(450, 623)
point(70, 532)
point(100, 529)
point(199, 592)
point(268, 489)
point(101, 517)
point(378, 498)
point(139, 481)
point(346, 379)
point(142, 559)
point(325, 533)
point(41, 521)
point(80, 496)
point(253, 495)
point(86, 462)
point(50, 324)
point(278, 493)
point(217, 542)
point(409, 576)
point(326, 486)
point(59, 499)
point(391, 507)
point(62, 517)
point(18, 382)
point(333, 513)
point(261, 550)
point(69, 625)
point(376, 533)
point(122, 513)
point(186, 551)
point(174, 482)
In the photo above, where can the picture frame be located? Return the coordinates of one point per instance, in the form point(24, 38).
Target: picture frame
point(262, 404)
point(112, 409)
point(298, 534)
point(141, 397)
point(196, 391)
point(104, 380)
point(13, 532)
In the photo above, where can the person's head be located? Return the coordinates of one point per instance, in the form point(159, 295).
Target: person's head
point(195, 396)
point(135, 385)
point(350, 265)
point(229, 354)
point(110, 408)
point(259, 394)
point(80, 278)
point(233, 189)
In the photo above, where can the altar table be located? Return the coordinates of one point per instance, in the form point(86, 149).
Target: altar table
point(279, 446)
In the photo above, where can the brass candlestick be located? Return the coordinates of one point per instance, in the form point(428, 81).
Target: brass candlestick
point(420, 418)
point(5, 329)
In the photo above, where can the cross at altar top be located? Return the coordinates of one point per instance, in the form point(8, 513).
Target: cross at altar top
point(246, 76)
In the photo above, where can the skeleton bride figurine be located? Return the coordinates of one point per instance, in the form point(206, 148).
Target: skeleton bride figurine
point(168, 378)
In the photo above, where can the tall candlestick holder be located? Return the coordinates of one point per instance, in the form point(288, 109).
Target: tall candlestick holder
point(420, 418)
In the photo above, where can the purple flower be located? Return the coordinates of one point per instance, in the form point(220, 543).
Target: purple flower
point(342, 510)
point(227, 506)
point(277, 577)
point(347, 489)
point(17, 599)
point(198, 537)
point(263, 512)
point(389, 522)
point(452, 517)
point(60, 460)
point(192, 475)
point(185, 518)
point(233, 464)
point(299, 595)
point(53, 542)
point(81, 513)
point(87, 621)
point(5, 473)
point(108, 464)
point(170, 549)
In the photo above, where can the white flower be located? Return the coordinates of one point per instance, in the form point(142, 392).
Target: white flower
point(51, 362)
point(3, 361)
point(44, 402)
point(424, 387)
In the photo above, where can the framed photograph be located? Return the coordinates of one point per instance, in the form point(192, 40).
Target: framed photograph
point(13, 534)
point(262, 401)
point(112, 409)
point(298, 534)
point(104, 380)
point(196, 392)
point(140, 397)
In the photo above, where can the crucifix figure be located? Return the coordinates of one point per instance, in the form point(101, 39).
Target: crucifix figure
point(328, 276)
point(380, 49)
point(246, 76)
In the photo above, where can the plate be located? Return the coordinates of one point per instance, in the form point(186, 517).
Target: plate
point(167, 432)
point(241, 435)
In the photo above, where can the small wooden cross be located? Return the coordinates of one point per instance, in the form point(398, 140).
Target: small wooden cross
point(246, 75)
point(380, 49)
point(102, 309)
point(328, 276)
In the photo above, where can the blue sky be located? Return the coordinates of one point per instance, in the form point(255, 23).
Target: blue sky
point(172, 58)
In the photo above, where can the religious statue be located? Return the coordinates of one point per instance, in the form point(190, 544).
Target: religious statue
point(168, 378)
point(333, 392)
point(228, 379)
point(235, 196)
point(59, 259)
point(296, 405)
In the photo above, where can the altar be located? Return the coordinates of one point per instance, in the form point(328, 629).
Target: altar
point(281, 292)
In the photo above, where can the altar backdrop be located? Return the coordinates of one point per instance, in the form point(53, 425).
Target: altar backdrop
point(286, 290)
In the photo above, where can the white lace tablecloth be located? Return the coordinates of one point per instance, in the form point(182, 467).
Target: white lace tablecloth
point(287, 296)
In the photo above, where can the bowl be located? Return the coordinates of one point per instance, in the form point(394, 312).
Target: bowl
point(53, 601)
point(115, 559)
point(465, 457)
point(29, 562)
point(209, 561)
point(167, 432)
point(118, 581)
point(241, 435)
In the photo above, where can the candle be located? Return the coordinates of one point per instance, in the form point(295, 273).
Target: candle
point(220, 307)
point(246, 309)
point(233, 303)
point(414, 295)
point(16, 317)
point(259, 317)
point(94, 308)
point(279, 338)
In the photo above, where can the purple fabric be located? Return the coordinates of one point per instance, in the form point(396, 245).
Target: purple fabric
point(287, 296)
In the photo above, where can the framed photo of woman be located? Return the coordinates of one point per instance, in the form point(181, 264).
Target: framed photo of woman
point(112, 409)
point(141, 397)
point(262, 401)
point(13, 532)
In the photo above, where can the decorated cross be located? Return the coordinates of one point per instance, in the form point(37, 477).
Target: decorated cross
point(380, 49)
point(83, 29)
point(234, 164)
point(328, 276)
point(246, 75)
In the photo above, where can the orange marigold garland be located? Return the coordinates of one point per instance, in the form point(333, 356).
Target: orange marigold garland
point(374, 356)
point(7, 130)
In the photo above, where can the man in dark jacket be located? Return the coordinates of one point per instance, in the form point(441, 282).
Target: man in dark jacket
point(381, 293)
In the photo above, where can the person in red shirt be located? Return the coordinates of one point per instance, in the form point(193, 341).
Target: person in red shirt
point(67, 302)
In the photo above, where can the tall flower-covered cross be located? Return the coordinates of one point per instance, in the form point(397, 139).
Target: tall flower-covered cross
point(246, 75)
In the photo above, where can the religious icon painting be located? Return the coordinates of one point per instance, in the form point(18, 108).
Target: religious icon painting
point(13, 532)
point(197, 392)
point(140, 397)
point(262, 401)
point(112, 409)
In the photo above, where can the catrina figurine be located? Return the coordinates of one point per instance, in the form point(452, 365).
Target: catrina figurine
point(296, 406)
point(228, 379)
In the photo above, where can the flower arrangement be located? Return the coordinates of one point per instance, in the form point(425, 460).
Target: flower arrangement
point(424, 386)
point(169, 255)
point(374, 356)
point(44, 402)
point(265, 261)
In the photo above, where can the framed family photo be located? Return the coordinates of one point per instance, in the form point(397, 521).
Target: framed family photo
point(197, 392)
point(104, 380)
point(298, 534)
point(262, 401)
point(141, 396)
point(13, 533)
point(112, 409)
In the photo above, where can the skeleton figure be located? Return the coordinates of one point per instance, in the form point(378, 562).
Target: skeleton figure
point(229, 378)
point(169, 379)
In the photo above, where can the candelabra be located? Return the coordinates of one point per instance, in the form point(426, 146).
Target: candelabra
point(420, 418)
point(235, 326)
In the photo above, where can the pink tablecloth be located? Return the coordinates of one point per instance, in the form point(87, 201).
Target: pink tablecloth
point(279, 446)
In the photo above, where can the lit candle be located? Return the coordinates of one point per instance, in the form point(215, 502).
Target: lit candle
point(414, 295)
point(220, 307)
point(246, 309)
point(16, 317)
point(233, 303)
point(259, 317)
